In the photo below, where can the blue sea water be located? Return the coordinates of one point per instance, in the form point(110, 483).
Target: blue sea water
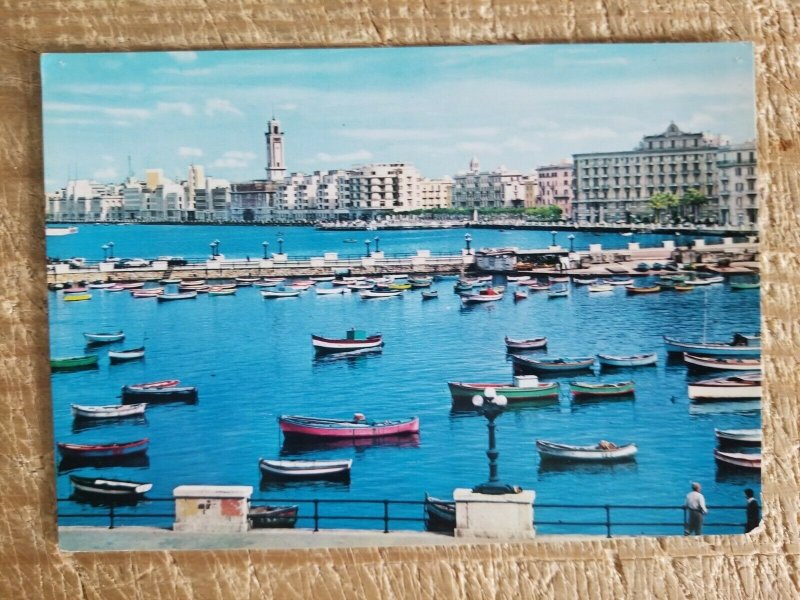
point(252, 360)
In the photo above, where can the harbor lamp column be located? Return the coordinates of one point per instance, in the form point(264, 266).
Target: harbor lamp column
point(216, 247)
point(571, 239)
point(367, 243)
point(265, 245)
point(104, 247)
point(280, 245)
point(110, 249)
point(377, 240)
point(467, 241)
point(491, 409)
point(211, 245)
point(553, 233)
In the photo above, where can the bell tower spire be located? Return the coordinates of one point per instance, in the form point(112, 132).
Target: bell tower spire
point(276, 169)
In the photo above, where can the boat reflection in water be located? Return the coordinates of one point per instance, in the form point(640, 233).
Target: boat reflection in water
point(76, 462)
point(351, 356)
point(549, 468)
point(278, 485)
point(740, 477)
point(737, 407)
point(299, 446)
point(79, 425)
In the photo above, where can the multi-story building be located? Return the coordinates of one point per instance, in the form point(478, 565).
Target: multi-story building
point(617, 186)
point(435, 193)
point(556, 187)
point(736, 181)
point(500, 188)
point(86, 200)
point(382, 189)
point(531, 190)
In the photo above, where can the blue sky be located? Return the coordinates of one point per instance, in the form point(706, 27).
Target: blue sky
point(512, 105)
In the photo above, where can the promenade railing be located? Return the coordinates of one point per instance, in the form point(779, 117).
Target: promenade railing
point(393, 515)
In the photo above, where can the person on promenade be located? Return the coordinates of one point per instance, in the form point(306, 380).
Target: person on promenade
point(695, 506)
point(753, 513)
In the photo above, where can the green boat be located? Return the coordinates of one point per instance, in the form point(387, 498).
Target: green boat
point(752, 285)
point(587, 388)
point(523, 389)
point(68, 363)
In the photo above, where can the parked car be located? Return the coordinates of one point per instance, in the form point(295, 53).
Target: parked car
point(174, 261)
point(131, 263)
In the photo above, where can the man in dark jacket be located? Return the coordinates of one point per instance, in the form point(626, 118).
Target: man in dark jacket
point(753, 514)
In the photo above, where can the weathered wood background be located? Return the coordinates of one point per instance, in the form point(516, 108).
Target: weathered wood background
point(31, 565)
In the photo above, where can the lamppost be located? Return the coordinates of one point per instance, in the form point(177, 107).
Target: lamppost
point(105, 251)
point(377, 240)
point(110, 249)
point(280, 245)
point(571, 239)
point(553, 233)
point(491, 409)
point(367, 243)
point(265, 245)
point(216, 247)
point(467, 241)
point(211, 245)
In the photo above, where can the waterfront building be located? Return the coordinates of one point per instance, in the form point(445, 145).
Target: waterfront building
point(212, 201)
point(736, 181)
point(617, 186)
point(86, 200)
point(380, 189)
point(500, 188)
point(555, 187)
point(531, 190)
point(435, 193)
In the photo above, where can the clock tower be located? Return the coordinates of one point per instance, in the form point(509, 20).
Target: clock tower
point(276, 169)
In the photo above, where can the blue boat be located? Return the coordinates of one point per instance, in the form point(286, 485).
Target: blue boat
point(552, 365)
point(740, 345)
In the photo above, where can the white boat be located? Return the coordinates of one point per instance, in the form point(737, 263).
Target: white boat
point(739, 437)
point(740, 345)
point(323, 278)
point(125, 355)
point(179, 296)
point(525, 344)
point(104, 338)
point(109, 411)
point(704, 280)
point(368, 294)
point(331, 291)
point(601, 452)
point(487, 295)
point(59, 231)
point(517, 278)
point(634, 360)
point(305, 469)
point(738, 459)
point(628, 281)
point(101, 285)
point(275, 294)
point(579, 281)
point(722, 364)
point(744, 387)
point(601, 287)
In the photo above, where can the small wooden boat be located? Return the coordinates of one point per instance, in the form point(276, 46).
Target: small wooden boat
point(558, 279)
point(164, 383)
point(520, 295)
point(651, 289)
point(73, 362)
point(130, 285)
point(399, 286)
point(178, 296)
point(600, 287)
point(111, 489)
point(222, 291)
point(355, 339)
point(331, 291)
point(581, 281)
point(112, 450)
point(268, 517)
point(561, 291)
point(104, 338)
point(169, 281)
point(738, 437)
point(601, 452)
point(197, 289)
point(740, 345)
point(525, 344)
point(614, 281)
point(551, 365)
point(277, 294)
point(517, 278)
point(322, 278)
point(680, 287)
point(77, 297)
point(523, 389)
point(358, 427)
point(372, 294)
point(440, 515)
point(721, 364)
point(535, 285)
point(190, 282)
point(736, 387)
point(488, 295)
point(134, 395)
point(125, 355)
point(116, 288)
point(633, 360)
point(750, 462)
point(147, 293)
point(742, 285)
point(429, 294)
point(109, 411)
point(589, 388)
point(305, 469)
point(245, 281)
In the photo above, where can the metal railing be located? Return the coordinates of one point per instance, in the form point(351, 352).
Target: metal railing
point(315, 512)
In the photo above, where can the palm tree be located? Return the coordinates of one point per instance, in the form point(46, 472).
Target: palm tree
point(662, 201)
point(694, 198)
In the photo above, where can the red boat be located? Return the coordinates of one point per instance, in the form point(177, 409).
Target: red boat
point(358, 427)
point(155, 384)
point(112, 450)
point(738, 459)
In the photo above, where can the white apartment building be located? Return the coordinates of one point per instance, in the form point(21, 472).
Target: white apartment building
point(500, 188)
point(384, 188)
point(87, 201)
point(736, 182)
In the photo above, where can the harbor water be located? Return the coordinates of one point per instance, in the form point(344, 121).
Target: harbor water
point(252, 360)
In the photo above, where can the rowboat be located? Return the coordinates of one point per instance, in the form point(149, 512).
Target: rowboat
point(358, 427)
point(322, 278)
point(704, 281)
point(245, 281)
point(558, 292)
point(520, 295)
point(178, 296)
point(112, 450)
point(222, 291)
point(109, 411)
point(721, 364)
point(355, 339)
point(626, 282)
point(440, 515)
point(558, 279)
point(59, 231)
point(526, 344)
point(589, 388)
point(553, 365)
point(536, 286)
point(740, 345)
point(305, 469)
point(738, 459)
point(164, 383)
point(589, 281)
point(169, 281)
point(524, 388)
point(634, 360)
point(192, 282)
point(75, 289)
point(601, 452)
point(487, 295)
point(133, 395)
point(112, 489)
point(517, 278)
point(727, 388)
point(125, 355)
point(148, 293)
point(742, 285)
point(277, 294)
point(77, 297)
point(130, 285)
point(652, 289)
point(267, 517)
point(332, 290)
point(399, 286)
point(73, 362)
point(738, 437)
point(601, 287)
point(429, 294)
point(104, 338)
point(197, 289)
point(371, 294)
point(681, 287)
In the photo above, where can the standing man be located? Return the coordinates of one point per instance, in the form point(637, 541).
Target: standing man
point(695, 504)
point(753, 513)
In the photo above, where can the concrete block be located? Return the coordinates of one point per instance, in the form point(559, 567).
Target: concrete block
point(280, 257)
point(212, 509)
point(633, 245)
point(668, 244)
point(424, 253)
point(700, 243)
point(317, 262)
point(331, 256)
point(418, 260)
point(502, 516)
point(595, 248)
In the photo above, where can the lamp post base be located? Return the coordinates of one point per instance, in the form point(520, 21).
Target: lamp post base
point(495, 488)
point(506, 516)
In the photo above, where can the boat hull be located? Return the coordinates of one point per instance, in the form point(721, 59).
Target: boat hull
point(638, 360)
point(579, 388)
point(330, 345)
point(553, 451)
point(104, 338)
point(730, 388)
point(113, 411)
point(566, 365)
point(738, 437)
point(133, 395)
point(529, 344)
point(309, 427)
point(117, 450)
point(462, 392)
point(674, 346)
point(74, 362)
point(440, 515)
point(705, 363)
point(269, 517)
point(738, 460)
point(111, 489)
point(305, 469)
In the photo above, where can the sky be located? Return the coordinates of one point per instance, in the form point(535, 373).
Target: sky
point(516, 106)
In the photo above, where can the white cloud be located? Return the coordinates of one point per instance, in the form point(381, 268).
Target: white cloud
point(239, 154)
point(201, 72)
point(219, 105)
point(391, 134)
point(234, 159)
point(109, 173)
point(184, 108)
point(183, 56)
point(109, 111)
point(187, 151)
point(130, 113)
point(287, 106)
point(358, 155)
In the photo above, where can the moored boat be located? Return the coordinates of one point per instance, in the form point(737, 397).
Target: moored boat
point(551, 365)
point(525, 344)
point(721, 364)
point(267, 517)
point(524, 388)
point(740, 345)
point(520, 295)
point(600, 287)
point(601, 452)
point(67, 363)
point(487, 295)
point(305, 469)
point(358, 427)
point(429, 294)
point(355, 339)
point(104, 338)
point(147, 293)
point(736, 387)
point(745, 285)
point(590, 388)
point(616, 281)
point(440, 515)
point(79, 297)
point(586, 281)
point(164, 383)
point(650, 289)
point(221, 290)
point(108, 411)
point(331, 291)
point(134, 394)
point(738, 437)
point(751, 462)
point(633, 360)
point(372, 294)
point(126, 355)
point(277, 294)
point(178, 296)
point(110, 450)
point(111, 489)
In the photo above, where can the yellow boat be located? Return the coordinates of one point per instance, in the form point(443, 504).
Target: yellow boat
point(399, 286)
point(77, 297)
